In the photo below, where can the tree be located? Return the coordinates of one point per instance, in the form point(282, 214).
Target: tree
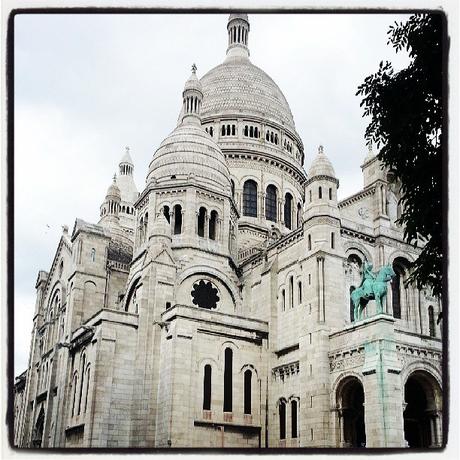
point(406, 110)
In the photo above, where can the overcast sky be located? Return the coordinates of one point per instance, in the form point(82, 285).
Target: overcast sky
point(88, 85)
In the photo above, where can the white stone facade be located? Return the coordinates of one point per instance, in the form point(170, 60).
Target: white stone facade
point(213, 308)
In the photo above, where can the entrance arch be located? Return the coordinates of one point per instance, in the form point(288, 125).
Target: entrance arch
point(350, 402)
point(422, 410)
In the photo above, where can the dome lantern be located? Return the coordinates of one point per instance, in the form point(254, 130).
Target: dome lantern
point(192, 98)
point(126, 164)
point(238, 35)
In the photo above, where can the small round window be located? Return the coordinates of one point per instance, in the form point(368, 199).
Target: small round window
point(205, 295)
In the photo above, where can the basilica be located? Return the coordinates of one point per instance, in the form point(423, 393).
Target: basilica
point(213, 308)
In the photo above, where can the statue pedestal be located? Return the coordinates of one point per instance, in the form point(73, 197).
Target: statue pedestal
point(372, 340)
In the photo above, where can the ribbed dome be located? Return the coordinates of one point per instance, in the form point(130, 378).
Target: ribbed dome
point(113, 191)
point(321, 165)
point(239, 87)
point(189, 150)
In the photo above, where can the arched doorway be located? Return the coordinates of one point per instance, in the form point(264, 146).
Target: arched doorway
point(350, 398)
point(422, 411)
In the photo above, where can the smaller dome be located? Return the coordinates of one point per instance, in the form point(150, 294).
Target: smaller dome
point(243, 16)
point(127, 158)
point(321, 165)
point(193, 83)
point(113, 191)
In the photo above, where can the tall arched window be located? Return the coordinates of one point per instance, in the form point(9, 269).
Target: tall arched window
point(87, 380)
point(177, 219)
point(330, 193)
point(294, 431)
point(397, 284)
point(201, 221)
point(309, 242)
point(291, 292)
point(299, 284)
point(288, 211)
point(282, 419)
point(299, 214)
point(93, 255)
point(320, 192)
point(207, 387)
point(228, 380)
point(82, 373)
point(431, 323)
point(247, 391)
point(250, 198)
point(270, 203)
point(213, 225)
point(74, 392)
point(166, 213)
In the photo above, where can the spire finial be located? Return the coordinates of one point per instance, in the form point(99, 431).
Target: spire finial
point(194, 68)
point(114, 177)
point(127, 149)
point(320, 150)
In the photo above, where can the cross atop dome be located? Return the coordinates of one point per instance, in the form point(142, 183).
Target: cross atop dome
point(320, 150)
point(194, 68)
point(238, 33)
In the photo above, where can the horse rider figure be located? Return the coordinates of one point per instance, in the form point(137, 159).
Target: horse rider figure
point(368, 280)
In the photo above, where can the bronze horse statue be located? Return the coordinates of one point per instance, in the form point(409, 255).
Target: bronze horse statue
point(372, 289)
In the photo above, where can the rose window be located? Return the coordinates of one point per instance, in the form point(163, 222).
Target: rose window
point(205, 295)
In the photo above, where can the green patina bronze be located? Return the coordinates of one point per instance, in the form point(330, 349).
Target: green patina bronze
point(373, 287)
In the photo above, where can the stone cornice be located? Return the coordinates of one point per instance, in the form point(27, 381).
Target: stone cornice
point(322, 177)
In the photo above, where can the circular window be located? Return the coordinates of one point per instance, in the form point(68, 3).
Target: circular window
point(205, 295)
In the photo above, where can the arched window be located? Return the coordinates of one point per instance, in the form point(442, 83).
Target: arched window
point(299, 284)
point(256, 132)
point(223, 130)
point(165, 213)
point(131, 300)
point(431, 323)
point(288, 211)
point(177, 219)
point(228, 130)
point(233, 130)
point(201, 221)
point(211, 131)
point(232, 184)
point(332, 240)
point(88, 376)
point(270, 203)
point(397, 284)
point(330, 193)
point(294, 431)
point(213, 225)
point(82, 373)
point(93, 255)
point(271, 137)
point(320, 192)
point(267, 136)
point(309, 242)
point(299, 215)
point(310, 196)
point(228, 380)
point(250, 198)
point(282, 419)
point(251, 131)
point(207, 387)
point(283, 299)
point(74, 392)
point(291, 292)
point(276, 139)
point(247, 391)
point(246, 132)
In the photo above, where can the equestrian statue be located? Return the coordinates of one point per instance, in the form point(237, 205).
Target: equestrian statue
point(373, 287)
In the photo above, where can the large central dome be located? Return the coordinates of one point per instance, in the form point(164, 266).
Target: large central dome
point(238, 87)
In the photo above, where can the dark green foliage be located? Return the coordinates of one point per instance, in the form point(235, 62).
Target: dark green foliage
point(407, 122)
